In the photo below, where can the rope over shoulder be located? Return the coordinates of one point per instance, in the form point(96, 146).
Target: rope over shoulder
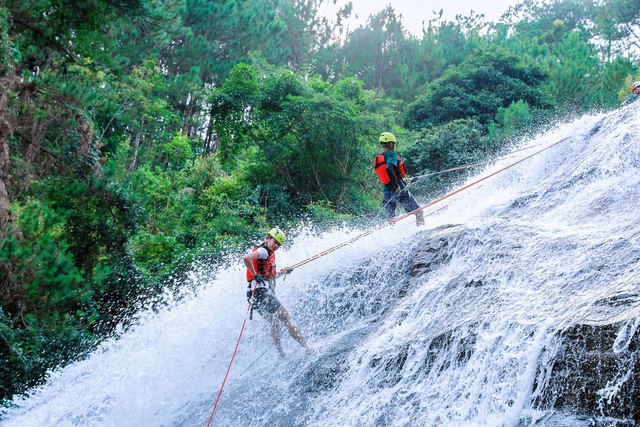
point(399, 218)
point(287, 270)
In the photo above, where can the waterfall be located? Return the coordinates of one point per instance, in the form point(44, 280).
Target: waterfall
point(520, 263)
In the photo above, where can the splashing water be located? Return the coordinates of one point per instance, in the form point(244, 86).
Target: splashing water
point(550, 243)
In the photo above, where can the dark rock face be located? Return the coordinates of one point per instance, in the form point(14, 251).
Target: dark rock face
point(590, 377)
point(432, 251)
point(594, 371)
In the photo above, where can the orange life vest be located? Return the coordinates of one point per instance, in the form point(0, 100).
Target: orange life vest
point(265, 267)
point(380, 165)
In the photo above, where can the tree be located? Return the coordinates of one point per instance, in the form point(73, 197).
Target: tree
point(215, 36)
point(447, 146)
point(304, 32)
point(618, 23)
point(50, 251)
point(310, 138)
point(380, 54)
point(476, 89)
point(72, 30)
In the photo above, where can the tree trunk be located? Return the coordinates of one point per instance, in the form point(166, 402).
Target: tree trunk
point(136, 146)
point(5, 133)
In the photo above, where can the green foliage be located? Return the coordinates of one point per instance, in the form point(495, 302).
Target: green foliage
point(615, 74)
point(375, 52)
point(304, 30)
point(573, 85)
point(511, 120)
point(177, 151)
point(453, 144)
point(45, 308)
point(439, 148)
point(476, 89)
point(384, 57)
point(9, 54)
point(134, 108)
point(308, 137)
point(41, 268)
point(616, 22)
point(99, 218)
point(157, 134)
point(565, 39)
point(323, 214)
point(69, 30)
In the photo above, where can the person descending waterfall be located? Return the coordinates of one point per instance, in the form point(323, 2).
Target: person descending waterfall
point(635, 89)
point(261, 278)
point(390, 170)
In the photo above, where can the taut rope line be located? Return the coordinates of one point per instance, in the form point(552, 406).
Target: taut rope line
point(235, 351)
point(286, 270)
point(394, 220)
point(457, 168)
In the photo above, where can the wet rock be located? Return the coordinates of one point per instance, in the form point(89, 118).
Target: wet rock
point(588, 376)
point(595, 372)
point(432, 251)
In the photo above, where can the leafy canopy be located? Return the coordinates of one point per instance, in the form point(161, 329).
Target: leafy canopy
point(476, 89)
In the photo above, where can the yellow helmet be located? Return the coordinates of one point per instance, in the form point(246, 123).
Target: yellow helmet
point(277, 234)
point(387, 137)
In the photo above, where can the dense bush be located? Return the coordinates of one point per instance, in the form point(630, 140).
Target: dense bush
point(137, 138)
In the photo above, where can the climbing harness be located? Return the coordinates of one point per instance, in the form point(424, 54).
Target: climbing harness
point(394, 220)
point(457, 168)
point(295, 314)
point(287, 270)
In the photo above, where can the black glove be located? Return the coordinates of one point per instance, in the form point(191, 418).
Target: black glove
point(397, 194)
point(258, 278)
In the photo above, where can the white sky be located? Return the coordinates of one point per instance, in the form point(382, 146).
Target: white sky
point(415, 11)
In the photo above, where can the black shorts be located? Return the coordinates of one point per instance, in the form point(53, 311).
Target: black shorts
point(265, 301)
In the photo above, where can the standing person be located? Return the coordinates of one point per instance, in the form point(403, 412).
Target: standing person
point(390, 170)
point(635, 94)
point(261, 276)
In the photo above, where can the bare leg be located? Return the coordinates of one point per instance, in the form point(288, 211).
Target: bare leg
point(295, 333)
point(275, 334)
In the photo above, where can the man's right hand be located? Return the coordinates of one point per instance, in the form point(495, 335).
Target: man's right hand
point(258, 278)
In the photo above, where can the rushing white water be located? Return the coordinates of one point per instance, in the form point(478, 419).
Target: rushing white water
point(538, 248)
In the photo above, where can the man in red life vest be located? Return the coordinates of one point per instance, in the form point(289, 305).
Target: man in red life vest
point(261, 275)
point(390, 170)
point(635, 94)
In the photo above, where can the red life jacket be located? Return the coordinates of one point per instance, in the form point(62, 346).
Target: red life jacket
point(380, 165)
point(265, 267)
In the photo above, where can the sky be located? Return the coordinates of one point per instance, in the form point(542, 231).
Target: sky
point(415, 11)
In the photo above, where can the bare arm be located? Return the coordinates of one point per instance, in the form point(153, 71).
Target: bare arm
point(248, 261)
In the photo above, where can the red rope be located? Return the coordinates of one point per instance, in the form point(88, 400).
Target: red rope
point(392, 221)
point(230, 362)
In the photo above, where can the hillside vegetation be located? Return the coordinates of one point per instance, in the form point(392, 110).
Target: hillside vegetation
point(138, 137)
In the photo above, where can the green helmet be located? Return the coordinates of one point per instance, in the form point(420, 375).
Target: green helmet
point(387, 137)
point(277, 234)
